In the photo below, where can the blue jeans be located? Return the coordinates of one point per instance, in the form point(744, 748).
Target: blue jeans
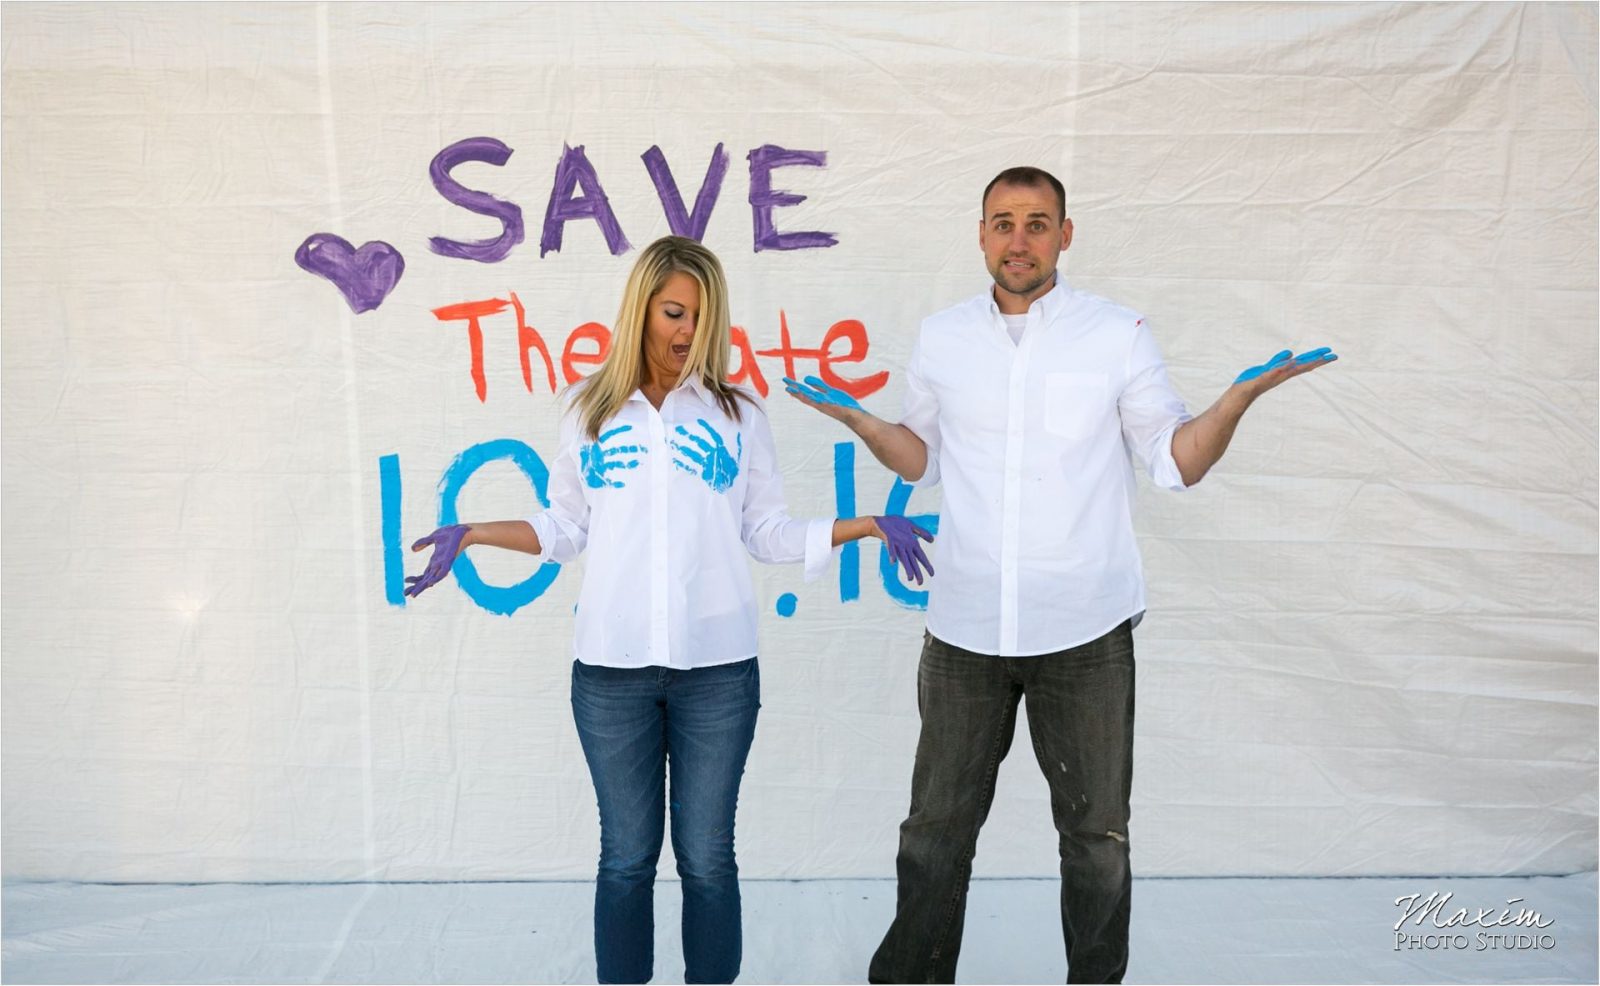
point(636, 724)
point(1080, 715)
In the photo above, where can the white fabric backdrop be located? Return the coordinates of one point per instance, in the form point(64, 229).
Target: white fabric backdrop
point(1372, 639)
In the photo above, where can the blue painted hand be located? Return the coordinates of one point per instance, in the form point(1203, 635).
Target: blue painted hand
point(900, 537)
point(1271, 364)
point(1285, 365)
point(598, 459)
point(708, 457)
point(820, 395)
point(446, 543)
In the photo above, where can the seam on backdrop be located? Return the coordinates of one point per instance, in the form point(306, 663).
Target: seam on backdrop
point(1069, 160)
point(357, 499)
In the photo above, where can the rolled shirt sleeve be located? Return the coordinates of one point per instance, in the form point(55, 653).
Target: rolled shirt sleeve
point(1151, 411)
point(921, 415)
point(769, 533)
point(563, 528)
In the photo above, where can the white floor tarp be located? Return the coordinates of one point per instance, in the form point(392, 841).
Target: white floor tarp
point(814, 931)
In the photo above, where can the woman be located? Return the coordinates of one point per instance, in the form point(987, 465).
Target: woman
point(669, 475)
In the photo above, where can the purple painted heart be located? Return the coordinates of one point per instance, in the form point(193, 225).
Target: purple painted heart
point(365, 276)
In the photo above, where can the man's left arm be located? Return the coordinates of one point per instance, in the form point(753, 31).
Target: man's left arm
point(1200, 442)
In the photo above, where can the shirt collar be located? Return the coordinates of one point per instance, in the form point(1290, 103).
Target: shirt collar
point(699, 387)
point(1049, 303)
point(694, 384)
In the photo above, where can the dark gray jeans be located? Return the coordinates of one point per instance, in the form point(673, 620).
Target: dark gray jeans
point(1080, 716)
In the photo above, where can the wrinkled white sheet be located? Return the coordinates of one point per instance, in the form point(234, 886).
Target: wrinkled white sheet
point(1371, 646)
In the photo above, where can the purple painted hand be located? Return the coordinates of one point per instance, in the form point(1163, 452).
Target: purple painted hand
point(900, 536)
point(446, 543)
point(365, 276)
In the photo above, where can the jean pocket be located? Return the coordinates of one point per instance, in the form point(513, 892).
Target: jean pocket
point(1074, 403)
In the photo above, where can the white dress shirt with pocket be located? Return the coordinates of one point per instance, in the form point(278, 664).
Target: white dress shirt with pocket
point(1033, 441)
point(669, 503)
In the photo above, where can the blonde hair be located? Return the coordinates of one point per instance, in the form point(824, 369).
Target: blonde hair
point(602, 395)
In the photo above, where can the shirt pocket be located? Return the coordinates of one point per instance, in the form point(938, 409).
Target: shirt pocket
point(1074, 403)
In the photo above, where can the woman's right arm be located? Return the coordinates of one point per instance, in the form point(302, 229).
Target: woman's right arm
point(513, 535)
point(449, 541)
point(557, 534)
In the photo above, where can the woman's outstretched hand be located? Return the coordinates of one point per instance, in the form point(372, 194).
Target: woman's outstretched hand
point(446, 543)
point(900, 535)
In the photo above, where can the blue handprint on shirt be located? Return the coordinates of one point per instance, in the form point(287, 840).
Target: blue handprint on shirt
point(598, 459)
point(709, 459)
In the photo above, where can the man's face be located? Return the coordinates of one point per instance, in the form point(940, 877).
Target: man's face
point(1022, 236)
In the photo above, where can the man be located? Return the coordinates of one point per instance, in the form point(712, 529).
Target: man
point(1027, 401)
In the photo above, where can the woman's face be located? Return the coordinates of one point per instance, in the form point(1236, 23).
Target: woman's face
point(669, 326)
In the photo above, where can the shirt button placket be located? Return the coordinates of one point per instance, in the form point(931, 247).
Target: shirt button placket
point(658, 457)
point(1011, 491)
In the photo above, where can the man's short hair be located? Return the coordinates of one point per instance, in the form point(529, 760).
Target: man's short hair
point(1027, 177)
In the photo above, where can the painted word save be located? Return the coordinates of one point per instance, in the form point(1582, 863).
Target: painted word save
point(366, 275)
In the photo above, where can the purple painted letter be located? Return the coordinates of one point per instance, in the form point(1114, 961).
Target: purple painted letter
point(692, 225)
point(489, 151)
point(763, 199)
point(573, 170)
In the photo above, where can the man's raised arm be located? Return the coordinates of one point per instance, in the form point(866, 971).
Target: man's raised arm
point(1199, 443)
point(894, 445)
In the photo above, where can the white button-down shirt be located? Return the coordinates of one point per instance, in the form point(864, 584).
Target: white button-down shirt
point(668, 503)
point(1032, 440)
